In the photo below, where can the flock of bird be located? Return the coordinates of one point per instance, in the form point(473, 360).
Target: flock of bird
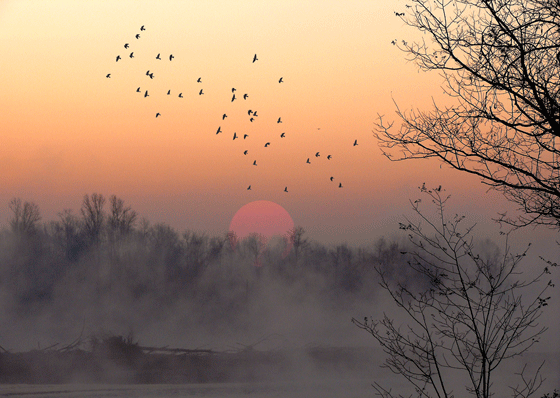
point(252, 115)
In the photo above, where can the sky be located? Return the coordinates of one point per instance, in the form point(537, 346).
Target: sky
point(67, 130)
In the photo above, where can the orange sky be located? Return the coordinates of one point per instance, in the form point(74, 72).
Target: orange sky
point(66, 130)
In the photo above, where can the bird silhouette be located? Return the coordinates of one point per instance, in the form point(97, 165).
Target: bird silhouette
point(282, 135)
point(180, 95)
point(286, 189)
point(250, 111)
point(329, 157)
point(251, 120)
point(245, 152)
point(267, 144)
point(281, 80)
point(151, 75)
point(255, 114)
point(108, 75)
point(200, 92)
point(138, 35)
point(279, 120)
point(249, 188)
point(224, 116)
point(199, 80)
point(245, 136)
point(340, 185)
point(255, 58)
point(245, 96)
point(142, 27)
point(332, 178)
point(158, 114)
point(255, 163)
point(171, 57)
point(118, 57)
point(233, 98)
point(317, 155)
point(219, 130)
point(131, 55)
point(138, 90)
point(233, 90)
point(308, 161)
point(355, 142)
point(168, 92)
point(148, 72)
point(126, 45)
point(158, 56)
point(146, 94)
point(234, 136)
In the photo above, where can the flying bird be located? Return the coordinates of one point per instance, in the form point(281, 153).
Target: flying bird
point(200, 92)
point(171, 57)
point(234, 136)
point(148, 72)
point(267, 144)
point(146, 94)
point(108, 75)
point(281, 80)
point(245, 136)
point(308, 161)
point(255, 163)
point(131, 55)
point(332, 178)
point(138, 35)
point(158, 114)
point(151, 75)
point(233, 90)
point(329, 157)
point(180, 95)
point(142, 27)
point(219, 130)
point(233, 98)
point(282, 135)
point(317, 155)
point(245, 152)
point(286, 189)
point(138, 90)
point(250, 111)
point(355, 142)
point(279, 120)
point(168, 92)
point(245, 96)
point(251, 120)
point(118, 57)
point(224, 116)
point(158, 56)
point(255, 58)
point(340, 185)
point(125, 45)
point(199, 80)
point(249, 188)
point(255, 114)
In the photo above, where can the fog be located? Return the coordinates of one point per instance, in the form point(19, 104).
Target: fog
point(103, 271)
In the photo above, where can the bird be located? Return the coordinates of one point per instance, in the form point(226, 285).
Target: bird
point(118, 57)
point(168, 92)
point(308, 161)
point(332, 178)
point(329, 157)
point(200, 92)
point(224, 116)
point(250, 111)
point(251, 120)
point(108, 76)
point(281, 80)
point(233, 98)
point(171, 57)
point(279, 120)
point(286, 189)
point(282, 135)
point(131, 55)
point(142, 27)
point(148, 72)
point(267, 144)
point(255, 58)
point(355, 142)
point(125, 45)
point(158, 56)
point(249, 188)
point(180, 95)
point(245, 96)
point(245, 136)
point(151, 75)
point(199, 80)
point(138, 90)
point(317, 155)
point(146, 94)
point(245, 152)
point(234, 136)
point(138, 35)
point(233, 90)
point(393, 42)
point(340, 185)
point(219, 130)
point(158, 114)
point(255, 114)
point(255, 163)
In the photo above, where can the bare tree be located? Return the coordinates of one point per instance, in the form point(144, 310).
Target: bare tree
point(25, 217)
point(121, 218)
point(469, 319)
point(299, 242)
point(500, 60)
point(93, 217)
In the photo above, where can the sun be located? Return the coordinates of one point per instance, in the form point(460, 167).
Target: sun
point(262, 218)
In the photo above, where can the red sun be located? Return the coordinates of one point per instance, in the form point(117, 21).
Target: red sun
point(262, 218)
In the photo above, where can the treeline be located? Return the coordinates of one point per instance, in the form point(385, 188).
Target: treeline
point(105, 252)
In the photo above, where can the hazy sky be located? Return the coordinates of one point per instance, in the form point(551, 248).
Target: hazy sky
point(67, 130)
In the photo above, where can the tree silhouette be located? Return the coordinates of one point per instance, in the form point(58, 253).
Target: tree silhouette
point(501, 63)
point(25, 217)
point(469, 319)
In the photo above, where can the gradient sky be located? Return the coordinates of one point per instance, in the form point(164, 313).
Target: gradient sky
point(66, 130)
